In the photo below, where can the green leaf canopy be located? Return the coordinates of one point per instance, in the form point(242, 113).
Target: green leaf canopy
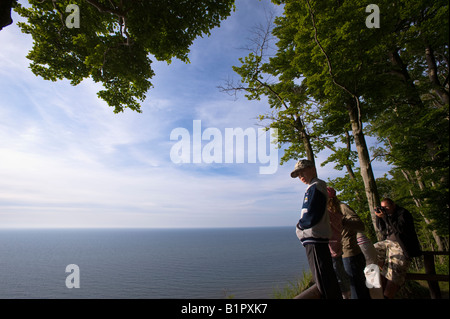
point(114, 41)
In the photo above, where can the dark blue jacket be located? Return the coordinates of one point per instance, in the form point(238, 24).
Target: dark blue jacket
point(314, 223)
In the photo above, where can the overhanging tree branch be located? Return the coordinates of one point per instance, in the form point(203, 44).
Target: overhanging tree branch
point(330, 67)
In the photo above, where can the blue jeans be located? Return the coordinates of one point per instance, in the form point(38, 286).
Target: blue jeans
point(341, 274)
point(354, 267)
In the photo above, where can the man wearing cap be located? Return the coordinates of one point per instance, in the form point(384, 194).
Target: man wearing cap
point(314, 231)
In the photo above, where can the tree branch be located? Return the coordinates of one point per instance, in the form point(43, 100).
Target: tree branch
point(102, 8)
point(330, 68)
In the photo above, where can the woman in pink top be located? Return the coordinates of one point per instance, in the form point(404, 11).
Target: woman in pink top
point(335, 244)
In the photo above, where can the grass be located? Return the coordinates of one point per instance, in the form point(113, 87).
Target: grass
point(419, 290)
point(294, 288)
point(410, 290)
point(413, 290)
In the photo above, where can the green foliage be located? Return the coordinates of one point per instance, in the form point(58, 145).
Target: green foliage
point(327, 61)
point(114, 41)
point(413, 290)
point(293, 289)
point(351, 192)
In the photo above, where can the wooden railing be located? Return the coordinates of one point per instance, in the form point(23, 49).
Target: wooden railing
point(430, 273)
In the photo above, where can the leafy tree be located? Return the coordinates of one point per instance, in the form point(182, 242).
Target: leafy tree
point(293, 112)
point(115, 41)
point(327, 45)
point(287, 100)
point(413, 119)
point(333, 75)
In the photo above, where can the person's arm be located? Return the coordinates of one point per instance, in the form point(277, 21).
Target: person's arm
point(351, 220)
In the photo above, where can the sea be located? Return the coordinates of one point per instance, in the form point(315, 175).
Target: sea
point(219, 263)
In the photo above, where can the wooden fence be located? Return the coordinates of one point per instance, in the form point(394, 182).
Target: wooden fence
point(430, 273)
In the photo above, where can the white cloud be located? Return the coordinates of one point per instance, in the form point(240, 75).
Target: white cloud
point(67, 160)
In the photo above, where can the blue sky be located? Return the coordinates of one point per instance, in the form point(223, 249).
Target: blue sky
point(66, 160)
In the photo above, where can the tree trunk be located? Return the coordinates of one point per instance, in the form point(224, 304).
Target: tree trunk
point(304, 137)
point(414, 100)
point(370, 186)
point(433, 76)
point(401, 69)
point(418, 203)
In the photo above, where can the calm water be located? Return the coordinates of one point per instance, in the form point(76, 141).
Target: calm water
point(150, 263)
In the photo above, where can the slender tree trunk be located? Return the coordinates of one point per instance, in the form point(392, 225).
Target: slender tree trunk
point(418, 203)
point(349, 168)
point(401, 69)
point(415, 101)
point(305, 138)
point(370, 186)
point(354, 111)
point(350, 172)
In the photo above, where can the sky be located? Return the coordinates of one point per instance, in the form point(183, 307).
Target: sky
point(67, 161)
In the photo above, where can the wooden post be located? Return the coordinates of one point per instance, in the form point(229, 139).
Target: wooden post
point(428, 260)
